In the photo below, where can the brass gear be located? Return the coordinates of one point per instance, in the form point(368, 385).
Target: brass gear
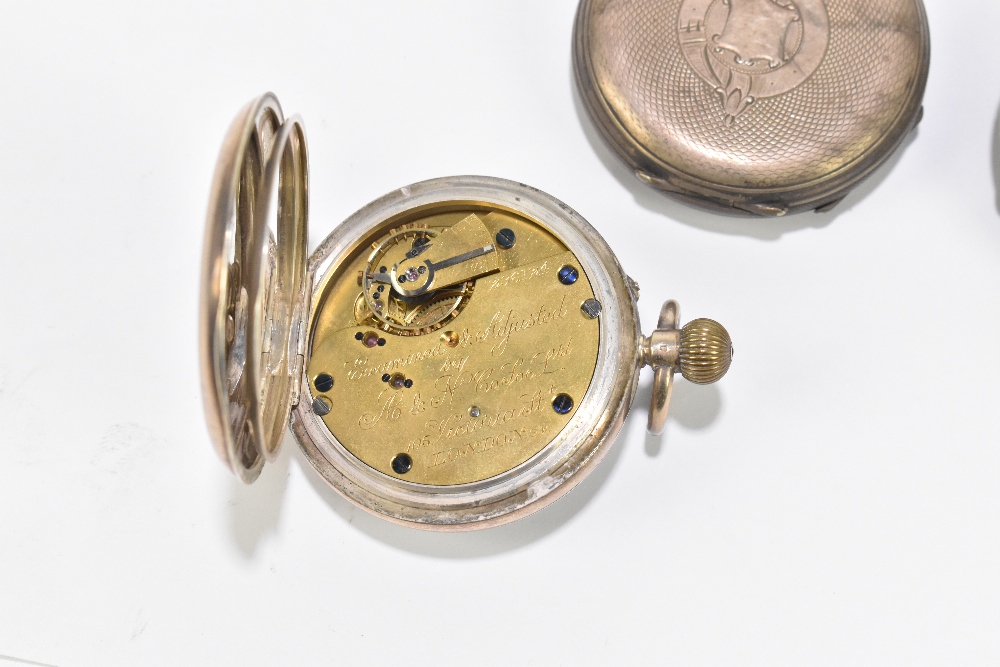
point(379, 305)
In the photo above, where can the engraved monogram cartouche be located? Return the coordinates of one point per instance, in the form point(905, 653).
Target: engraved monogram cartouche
point(752, 49)
point(454, 356)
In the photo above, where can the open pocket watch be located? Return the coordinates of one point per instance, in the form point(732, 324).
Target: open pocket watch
point(455, 355)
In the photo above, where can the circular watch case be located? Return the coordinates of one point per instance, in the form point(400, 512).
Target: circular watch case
point(455, 355)
point(753, 107)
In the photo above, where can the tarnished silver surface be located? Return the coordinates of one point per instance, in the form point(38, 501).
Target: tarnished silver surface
point(760, 107)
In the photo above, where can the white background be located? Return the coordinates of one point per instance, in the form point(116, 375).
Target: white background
point(835, 500)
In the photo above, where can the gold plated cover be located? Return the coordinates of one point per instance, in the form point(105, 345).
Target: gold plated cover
point(753, 107)
point(253, 289)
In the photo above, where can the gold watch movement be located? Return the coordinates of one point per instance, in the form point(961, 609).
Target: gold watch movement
point(455, 355)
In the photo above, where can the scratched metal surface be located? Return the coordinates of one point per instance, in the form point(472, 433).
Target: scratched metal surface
point(822, 120)
point(833, 500)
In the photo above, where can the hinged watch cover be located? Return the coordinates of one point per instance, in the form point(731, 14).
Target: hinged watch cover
point(254, 287)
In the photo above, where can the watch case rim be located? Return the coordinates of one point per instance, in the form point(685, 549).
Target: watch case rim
point(569, 457)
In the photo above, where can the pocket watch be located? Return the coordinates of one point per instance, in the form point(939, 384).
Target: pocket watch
point(453, 356)
point(753, 107)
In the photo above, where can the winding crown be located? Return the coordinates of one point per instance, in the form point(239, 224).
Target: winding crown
point(706, 351)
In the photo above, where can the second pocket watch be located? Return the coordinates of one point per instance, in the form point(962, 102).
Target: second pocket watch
point(454, 356)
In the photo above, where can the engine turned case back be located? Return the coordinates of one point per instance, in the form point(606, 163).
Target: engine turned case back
point(753, 107)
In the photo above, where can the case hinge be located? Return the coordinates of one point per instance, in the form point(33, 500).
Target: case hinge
point(300, 323)
point(297, 365)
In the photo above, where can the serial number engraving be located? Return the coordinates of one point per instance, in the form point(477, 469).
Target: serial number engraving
point(520, 276)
